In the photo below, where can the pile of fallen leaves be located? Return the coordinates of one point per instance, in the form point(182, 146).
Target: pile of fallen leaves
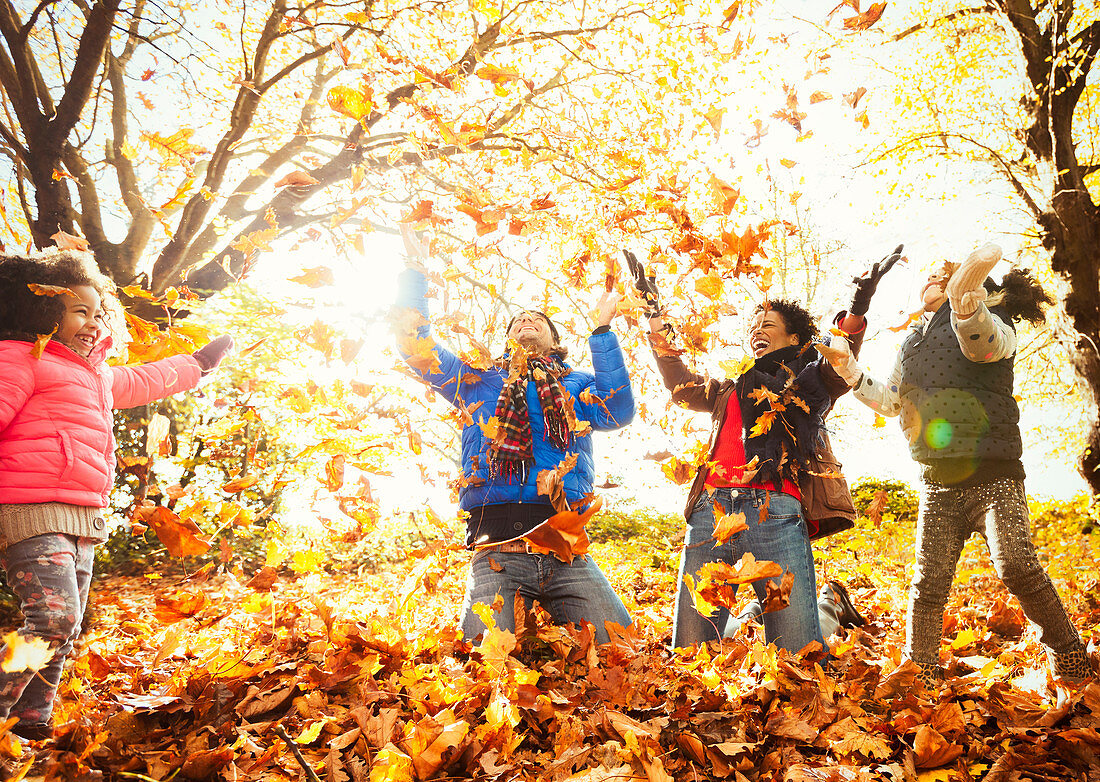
point(361, 676)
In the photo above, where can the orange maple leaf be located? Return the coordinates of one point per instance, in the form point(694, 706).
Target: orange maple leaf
point(180, 536)
point(726, 525)
point(563, 534)
point(866, 19)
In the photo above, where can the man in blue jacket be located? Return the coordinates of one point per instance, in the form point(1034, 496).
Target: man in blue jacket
point(545, 412)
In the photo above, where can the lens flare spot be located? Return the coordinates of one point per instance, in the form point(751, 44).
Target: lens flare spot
point(938, 434)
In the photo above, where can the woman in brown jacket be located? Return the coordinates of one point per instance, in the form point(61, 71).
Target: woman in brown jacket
point(769, 458)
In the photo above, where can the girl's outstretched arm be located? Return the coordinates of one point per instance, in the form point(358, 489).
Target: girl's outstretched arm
point(140, 385)
point(883, 398)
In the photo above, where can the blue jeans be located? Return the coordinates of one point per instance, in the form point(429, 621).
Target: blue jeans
point(51, 575)
point(780, 537)
point(570, 593)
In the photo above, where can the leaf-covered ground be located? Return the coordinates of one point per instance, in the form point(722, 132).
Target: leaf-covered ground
point(358, 675)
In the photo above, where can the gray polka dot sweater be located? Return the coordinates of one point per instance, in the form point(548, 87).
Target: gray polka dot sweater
point(952, 386)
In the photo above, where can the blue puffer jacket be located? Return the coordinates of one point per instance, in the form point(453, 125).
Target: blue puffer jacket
point(611, 406)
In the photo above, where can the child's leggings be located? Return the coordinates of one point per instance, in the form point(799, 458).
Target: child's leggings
point(998, 510)
point(51, 575)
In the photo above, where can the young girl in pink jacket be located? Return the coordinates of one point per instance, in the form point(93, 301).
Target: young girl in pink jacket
point(57, 315)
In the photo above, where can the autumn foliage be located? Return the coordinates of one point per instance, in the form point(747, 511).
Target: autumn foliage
point(362, 674)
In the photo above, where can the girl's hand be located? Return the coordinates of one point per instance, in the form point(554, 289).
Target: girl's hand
point(839, 355)
point(212, 353)
point(607, 307)
point(416, 249)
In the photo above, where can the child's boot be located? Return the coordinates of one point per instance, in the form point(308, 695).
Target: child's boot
point(931, 674)
point(1072, 666)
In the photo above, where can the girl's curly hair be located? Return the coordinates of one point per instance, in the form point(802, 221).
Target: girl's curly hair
point(1020, 295)
point(795, 317)
point(27, 315)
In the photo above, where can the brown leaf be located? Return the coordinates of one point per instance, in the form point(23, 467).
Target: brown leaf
point(877, 506)
point(552, 482)
point(778, 596)
point(296, 178)
point(1006, 620)
point(899, 680)
point(66, 241)
point(263, 579)
point(866, 19)
point(204, 764)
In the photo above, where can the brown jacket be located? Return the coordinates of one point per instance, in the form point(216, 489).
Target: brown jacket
point(826, 498)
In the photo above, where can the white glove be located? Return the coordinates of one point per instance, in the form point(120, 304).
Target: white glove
point(839, 355)
point(965, 289)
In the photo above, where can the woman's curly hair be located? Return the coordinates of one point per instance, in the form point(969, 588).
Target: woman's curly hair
point(25, 314)
point(795, 317)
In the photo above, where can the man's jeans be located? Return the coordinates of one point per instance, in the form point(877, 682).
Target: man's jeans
point(779, 537)
point(570, 593)
point(51, 575)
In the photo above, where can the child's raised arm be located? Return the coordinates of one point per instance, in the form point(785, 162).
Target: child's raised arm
point(140, 385)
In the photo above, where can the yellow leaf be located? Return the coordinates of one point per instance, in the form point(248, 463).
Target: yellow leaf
point(763, 423)
point(490, 428)
point(306, 562)
point(733, 370)
point(964, 639)
point(310, 733)
point(176, 148)
point(710, 286)
point(276, 554)
point(25, 653)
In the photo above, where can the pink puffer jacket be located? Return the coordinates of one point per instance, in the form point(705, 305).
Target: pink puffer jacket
point(56, 437)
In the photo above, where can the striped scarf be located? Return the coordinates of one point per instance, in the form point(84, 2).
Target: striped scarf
point(512, 450)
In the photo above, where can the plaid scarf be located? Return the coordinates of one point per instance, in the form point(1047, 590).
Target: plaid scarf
point(512, 450)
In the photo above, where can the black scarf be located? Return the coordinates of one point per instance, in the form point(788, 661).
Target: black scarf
point(792, 438)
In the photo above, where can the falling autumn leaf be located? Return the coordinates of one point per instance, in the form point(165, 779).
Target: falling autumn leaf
point(25, 653)
point(726, 525)
point(296, 179)
point(181, 537)
point(316, 277)
point(50, 290)
point(66, 241)
point(866, 19)
point(551, 483)
point(239, 484)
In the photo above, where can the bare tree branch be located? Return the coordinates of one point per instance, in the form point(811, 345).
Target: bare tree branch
point(1004, 165)
point(962, 13)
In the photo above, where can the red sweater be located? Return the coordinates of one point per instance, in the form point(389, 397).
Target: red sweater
point(729, 456)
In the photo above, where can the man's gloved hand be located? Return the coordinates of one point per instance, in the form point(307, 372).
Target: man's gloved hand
point(868, 283)
point(647, 286)
point(212, 353)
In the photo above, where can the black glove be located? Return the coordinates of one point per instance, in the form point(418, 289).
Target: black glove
point(212, 353)
point(647, 286)
point(866, 285)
